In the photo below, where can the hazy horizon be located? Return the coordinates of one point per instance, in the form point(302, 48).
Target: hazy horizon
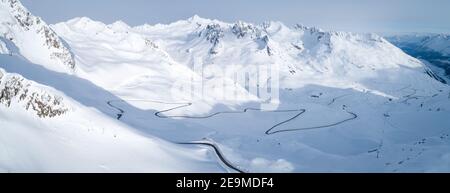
point(383, 16)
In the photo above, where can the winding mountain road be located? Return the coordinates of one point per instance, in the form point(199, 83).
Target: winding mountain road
point(216, 149)
point(270, 132)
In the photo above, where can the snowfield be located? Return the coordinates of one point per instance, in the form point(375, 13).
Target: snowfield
point(82, 139)
point(344, 102)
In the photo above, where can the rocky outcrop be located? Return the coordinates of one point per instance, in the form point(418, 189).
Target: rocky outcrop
point(213, 33)
point(242, 29)
point(22, 27)
point(16, 89)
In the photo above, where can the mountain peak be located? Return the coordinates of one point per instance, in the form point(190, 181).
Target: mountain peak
point(119, 26)
point(83, 22)
point(195, 18)
point(20, 26)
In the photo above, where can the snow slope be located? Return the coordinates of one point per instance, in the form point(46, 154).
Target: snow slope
point(432, 42)
point(66, 130)
point(433, 48)
point(332, 84)
point(347, 102)
point(35, 39)
point(105, 52)
point(155, 57)
point(63, 135)
point(303, 53)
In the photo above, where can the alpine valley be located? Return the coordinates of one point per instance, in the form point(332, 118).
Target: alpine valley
point(84, 96)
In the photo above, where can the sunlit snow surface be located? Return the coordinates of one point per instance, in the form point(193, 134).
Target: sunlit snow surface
point(348, 103)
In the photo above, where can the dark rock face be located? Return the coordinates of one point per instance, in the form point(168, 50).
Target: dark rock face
point(15, 89)
point(213, 33)
point(11, 89)
point(45, 105)
point(241, 30)
point(29, 23)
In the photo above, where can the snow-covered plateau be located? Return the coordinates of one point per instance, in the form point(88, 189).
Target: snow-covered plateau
point(84, 96)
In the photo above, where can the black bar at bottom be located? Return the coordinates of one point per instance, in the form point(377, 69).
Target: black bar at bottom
point(194, 182)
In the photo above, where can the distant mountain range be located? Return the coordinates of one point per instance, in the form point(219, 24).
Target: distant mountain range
point(434, 48)
point(86, 96)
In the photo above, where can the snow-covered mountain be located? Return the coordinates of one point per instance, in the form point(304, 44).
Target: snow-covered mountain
point(439, 43)
point(33, 37)
point(49, 120)
point(304, 54)
point(15, 90)
point(434, 49)
point(56, 128)
point(353, 100)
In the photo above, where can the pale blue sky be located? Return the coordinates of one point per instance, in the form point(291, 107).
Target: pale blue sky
point(346, 15)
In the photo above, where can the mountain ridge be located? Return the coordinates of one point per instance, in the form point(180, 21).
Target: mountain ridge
point(354, 100)
point(30, 33)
